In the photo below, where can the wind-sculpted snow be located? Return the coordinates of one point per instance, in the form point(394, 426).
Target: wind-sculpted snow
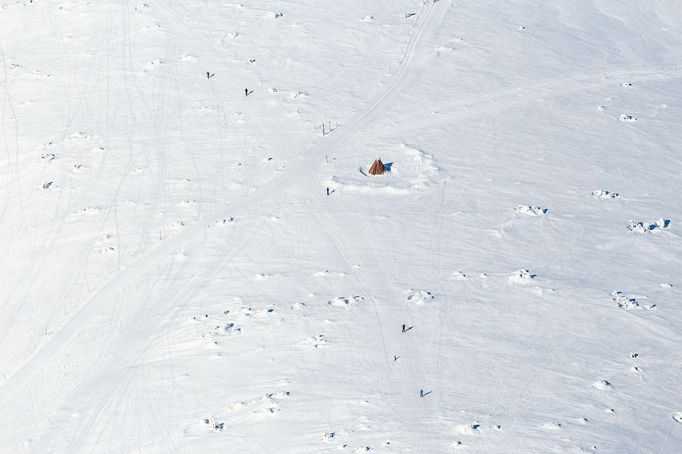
point(195, 258)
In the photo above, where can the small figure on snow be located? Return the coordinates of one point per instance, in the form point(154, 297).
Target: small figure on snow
point(404, 326)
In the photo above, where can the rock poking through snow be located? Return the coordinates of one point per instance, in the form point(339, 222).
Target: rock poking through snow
point(648, 226)
point(531, 210)
point(604, 194)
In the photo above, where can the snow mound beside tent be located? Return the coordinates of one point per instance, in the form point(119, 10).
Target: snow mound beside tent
point(408, 169)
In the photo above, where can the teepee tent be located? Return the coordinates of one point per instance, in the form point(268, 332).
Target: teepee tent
point(377, 168)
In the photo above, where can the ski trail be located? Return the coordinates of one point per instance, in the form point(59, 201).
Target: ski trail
point(107, 294)
point(475, 104)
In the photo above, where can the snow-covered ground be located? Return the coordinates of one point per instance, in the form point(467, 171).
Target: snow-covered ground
point(175, 278)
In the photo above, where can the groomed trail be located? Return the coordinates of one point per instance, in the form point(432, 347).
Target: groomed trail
point(70, 357)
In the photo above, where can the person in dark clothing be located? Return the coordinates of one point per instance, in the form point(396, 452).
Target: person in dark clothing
point(404, 327)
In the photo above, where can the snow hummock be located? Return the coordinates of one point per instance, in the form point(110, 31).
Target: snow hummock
point(522, 276)
point(419, 297)
point(604, 194)
point(629, 303)
point(602, 385)
point(531, 210)
point(648, 226)
point(346, 301)
point(468, 429)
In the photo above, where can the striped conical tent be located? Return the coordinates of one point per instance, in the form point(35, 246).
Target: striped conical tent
point(377, 168)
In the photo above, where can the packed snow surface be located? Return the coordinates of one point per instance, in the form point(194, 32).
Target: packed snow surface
point(193, 257)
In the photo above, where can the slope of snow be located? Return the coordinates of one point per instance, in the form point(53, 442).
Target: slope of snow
point(175, 277)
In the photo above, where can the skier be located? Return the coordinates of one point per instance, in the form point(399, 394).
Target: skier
point(327, 191)
point(404, 327)
point(421, 393)
point(246, 92)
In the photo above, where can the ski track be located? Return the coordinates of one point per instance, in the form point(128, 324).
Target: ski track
point(90, 351)
point(106, 296)
point(496, 101)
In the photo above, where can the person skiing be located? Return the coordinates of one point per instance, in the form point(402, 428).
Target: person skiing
point(404, 326)
point(421, 393)
point(246, 92)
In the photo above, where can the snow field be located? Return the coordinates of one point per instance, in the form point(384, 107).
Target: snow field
point(175, 278)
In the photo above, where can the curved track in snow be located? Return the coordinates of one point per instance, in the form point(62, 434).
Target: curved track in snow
point(48, 378)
